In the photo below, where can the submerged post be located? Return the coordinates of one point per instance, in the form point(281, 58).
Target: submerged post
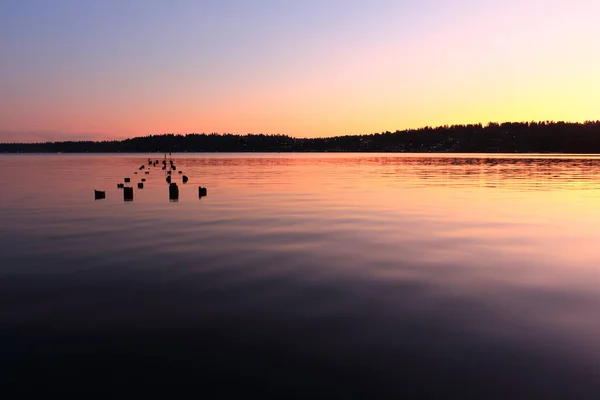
point(173, 192)
point(128, 193)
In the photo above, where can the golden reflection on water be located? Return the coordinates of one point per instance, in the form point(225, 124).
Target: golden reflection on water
point(497, 252)
point(553, 199)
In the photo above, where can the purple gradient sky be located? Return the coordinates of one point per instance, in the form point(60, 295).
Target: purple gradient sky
point(121, 68)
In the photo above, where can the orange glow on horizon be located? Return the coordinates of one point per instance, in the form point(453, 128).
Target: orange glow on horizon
point(522, 61)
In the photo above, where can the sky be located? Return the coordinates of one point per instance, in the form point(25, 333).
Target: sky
point(88, 69)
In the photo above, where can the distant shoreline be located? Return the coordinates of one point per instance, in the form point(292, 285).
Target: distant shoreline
point(440, 153)
point(510, 138)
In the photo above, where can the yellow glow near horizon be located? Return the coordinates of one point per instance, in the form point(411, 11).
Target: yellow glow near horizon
point(474, 62)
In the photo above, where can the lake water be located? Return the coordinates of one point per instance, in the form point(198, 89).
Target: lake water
point(302, 275)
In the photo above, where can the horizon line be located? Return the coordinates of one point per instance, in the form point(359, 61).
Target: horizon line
point(426, 127)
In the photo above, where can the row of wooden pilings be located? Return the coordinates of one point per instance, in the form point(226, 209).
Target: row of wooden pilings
point(173, 188)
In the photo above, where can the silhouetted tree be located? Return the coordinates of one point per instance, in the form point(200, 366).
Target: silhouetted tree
point(507, 137)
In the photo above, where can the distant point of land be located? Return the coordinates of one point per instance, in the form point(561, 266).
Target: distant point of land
point(508, 137)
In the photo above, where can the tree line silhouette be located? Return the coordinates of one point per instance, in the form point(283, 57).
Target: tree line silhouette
point(508, 137)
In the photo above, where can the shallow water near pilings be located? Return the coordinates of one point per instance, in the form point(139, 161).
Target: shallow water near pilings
point(302, 275)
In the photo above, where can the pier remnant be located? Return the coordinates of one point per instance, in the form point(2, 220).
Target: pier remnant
point(127, 180)
point(184, 179)
point(202, 191)
point(173, 192)
point(99, 194)
point(128, 193)
point(140, 185)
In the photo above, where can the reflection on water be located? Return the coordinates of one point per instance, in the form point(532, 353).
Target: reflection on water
point(312, 275)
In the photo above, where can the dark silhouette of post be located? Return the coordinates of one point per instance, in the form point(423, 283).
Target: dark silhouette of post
point(173, 192)
point(127, 193)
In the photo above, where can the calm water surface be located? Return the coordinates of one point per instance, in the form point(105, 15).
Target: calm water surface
point(313, 275)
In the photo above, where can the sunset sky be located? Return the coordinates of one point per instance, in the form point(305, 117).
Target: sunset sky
point(79, 69)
